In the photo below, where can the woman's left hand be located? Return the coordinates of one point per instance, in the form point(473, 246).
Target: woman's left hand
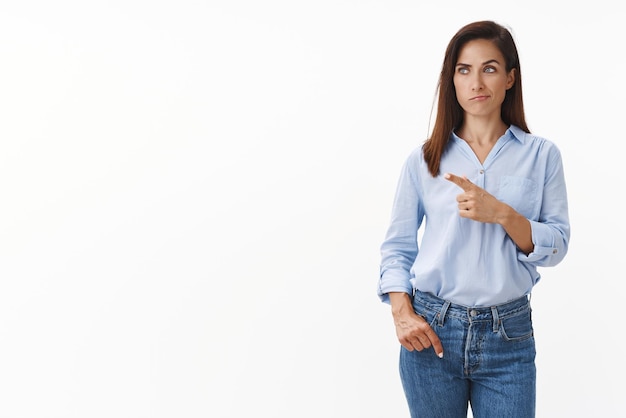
point(475, 202)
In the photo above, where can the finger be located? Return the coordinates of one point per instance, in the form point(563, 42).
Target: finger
point(411, 344)
point(417, 344)
point(462, 182)
point(424, 341)
point(436, 342)
point(407, 345)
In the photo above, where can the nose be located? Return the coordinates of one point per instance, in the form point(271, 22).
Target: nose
point(477, 83)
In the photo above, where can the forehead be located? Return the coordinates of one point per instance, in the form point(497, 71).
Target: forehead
point(479, 50)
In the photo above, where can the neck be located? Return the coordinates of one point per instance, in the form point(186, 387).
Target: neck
point(482, 133)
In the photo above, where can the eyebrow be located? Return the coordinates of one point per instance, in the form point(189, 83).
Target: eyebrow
point(491, 61)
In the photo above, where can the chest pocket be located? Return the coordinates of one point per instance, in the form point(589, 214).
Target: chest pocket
point(520, 193)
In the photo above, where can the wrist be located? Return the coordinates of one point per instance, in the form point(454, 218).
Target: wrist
point(505, 215)
point(401, 303)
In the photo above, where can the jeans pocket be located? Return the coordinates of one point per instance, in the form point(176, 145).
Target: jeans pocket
point(517, 327)
point(428, 315)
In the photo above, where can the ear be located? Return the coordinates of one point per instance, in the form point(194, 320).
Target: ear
point(510, 79)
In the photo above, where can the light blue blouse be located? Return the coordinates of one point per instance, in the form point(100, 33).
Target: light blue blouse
point(462, 260)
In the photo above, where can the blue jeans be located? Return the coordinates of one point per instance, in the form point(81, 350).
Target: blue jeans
point(488, 362)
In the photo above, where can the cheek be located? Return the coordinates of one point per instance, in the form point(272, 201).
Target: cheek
point(458, 89)
point(502, 90)
point(502, 85)
point(456, 83)
point(459, 97)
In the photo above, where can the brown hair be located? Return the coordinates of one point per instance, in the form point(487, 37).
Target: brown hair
point(449, 112)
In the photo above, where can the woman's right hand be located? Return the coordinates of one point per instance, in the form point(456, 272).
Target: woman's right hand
point(412, 330)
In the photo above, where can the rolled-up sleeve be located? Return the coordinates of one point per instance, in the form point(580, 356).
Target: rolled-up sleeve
point(400, 248)
point(551, 231)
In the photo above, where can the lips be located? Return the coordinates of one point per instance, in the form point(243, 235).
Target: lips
point(479, 98)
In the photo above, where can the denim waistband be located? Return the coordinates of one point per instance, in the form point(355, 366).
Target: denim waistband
point(446, 308)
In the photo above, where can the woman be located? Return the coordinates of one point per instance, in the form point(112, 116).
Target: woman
point(494, 202)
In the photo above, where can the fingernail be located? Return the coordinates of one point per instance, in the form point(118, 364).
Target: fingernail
point(440, 355)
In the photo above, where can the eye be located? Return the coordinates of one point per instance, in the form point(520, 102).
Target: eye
point(463, 70)
point(489, 69)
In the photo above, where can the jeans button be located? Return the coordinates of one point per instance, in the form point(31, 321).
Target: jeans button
point(473, 312)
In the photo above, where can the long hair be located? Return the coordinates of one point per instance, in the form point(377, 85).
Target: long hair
point(449, 112)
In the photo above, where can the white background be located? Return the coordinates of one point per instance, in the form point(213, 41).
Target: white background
point(193, 194)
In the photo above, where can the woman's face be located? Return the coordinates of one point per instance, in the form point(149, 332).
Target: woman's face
point(480, 78)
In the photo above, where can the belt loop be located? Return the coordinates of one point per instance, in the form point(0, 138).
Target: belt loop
point(496, 318)
point(442, 313)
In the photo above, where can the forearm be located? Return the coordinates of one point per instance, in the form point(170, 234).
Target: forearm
point(401, 304)
point(517, 227)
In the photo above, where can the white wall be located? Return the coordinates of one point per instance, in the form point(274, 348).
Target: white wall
point(193, 193)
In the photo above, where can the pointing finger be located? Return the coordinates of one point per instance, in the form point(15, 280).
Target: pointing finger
point(462, 182)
